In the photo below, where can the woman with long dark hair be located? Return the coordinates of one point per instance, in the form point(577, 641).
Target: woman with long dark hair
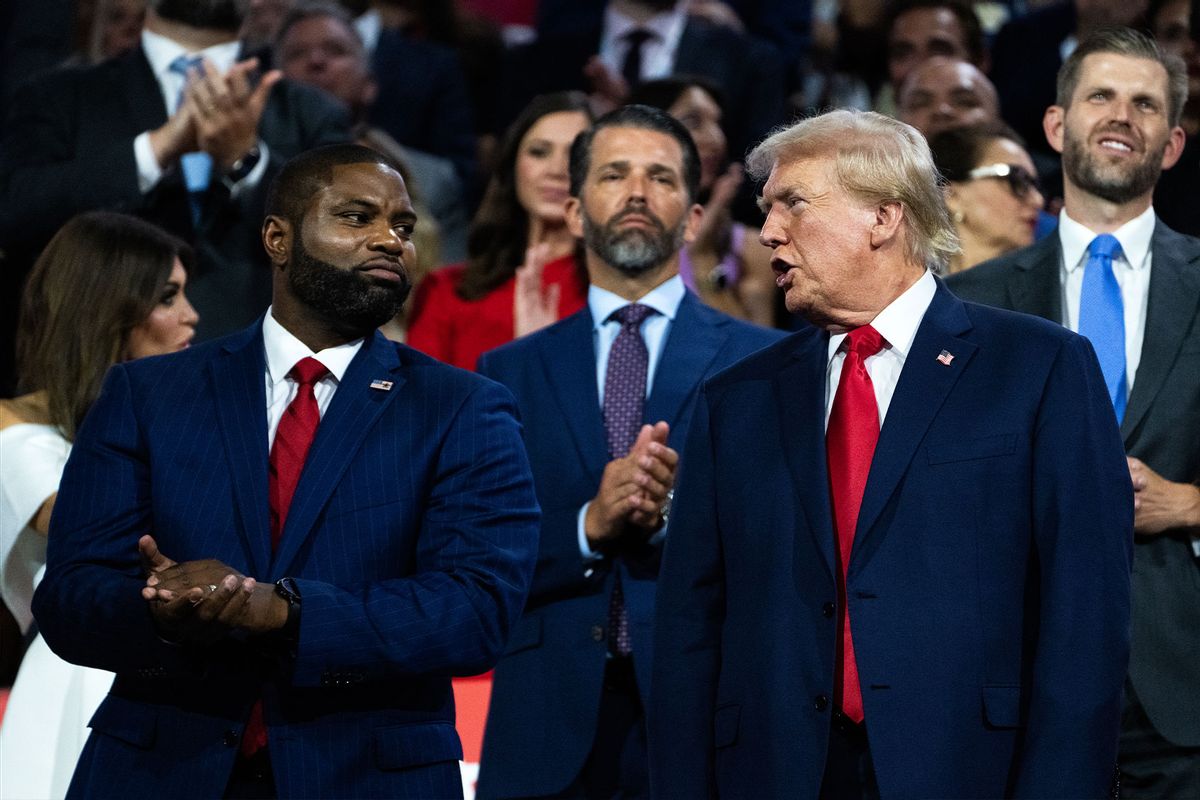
point(522, 271)
point(107, 288)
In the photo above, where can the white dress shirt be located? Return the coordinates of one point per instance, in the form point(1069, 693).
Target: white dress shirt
point(161, 52)
point(658, 52)
point(283, 350)
point(665, 299)
point(1132, 270)
point(897, 324)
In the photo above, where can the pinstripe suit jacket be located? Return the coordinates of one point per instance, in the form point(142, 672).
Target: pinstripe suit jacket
point(412, 538)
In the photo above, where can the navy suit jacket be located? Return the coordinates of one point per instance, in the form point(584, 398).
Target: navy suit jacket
point(546, 694)
point(1162, 428)
point(411, 536)
point(988, 584)
point(68, 148)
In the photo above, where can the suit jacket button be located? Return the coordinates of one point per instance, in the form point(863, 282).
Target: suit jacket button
point(230, 739)
point(828, 609)
point(820, 702)
point(597, 633)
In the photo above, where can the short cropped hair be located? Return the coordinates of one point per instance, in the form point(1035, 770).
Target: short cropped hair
point(310, 172)
point(1131, 43)
point(963, 11)
point(646, 118)
point(957, 151)
point(877, 160)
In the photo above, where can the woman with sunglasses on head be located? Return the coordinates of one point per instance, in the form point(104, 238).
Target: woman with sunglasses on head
point(992, 191)
point(107, 288)
point(521, 272)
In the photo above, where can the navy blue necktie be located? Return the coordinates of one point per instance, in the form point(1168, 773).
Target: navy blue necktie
point(1102, 317)
point(624, 408)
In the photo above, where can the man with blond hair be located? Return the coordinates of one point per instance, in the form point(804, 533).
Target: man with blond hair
point(900, 549)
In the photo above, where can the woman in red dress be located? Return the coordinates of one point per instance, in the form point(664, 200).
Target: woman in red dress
point(521, 272)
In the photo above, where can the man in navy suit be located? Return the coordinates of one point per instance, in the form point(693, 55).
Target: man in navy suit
point(605, 398)
point(1116, 122)
point(284, 607)
point(900, 550)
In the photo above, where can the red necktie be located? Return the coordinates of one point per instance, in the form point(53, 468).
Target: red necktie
point(850, 444)
point(293, 438)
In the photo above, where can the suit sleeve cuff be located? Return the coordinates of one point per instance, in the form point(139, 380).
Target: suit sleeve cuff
point(589, 555)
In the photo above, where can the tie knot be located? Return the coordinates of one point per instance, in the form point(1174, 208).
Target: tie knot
point(632, 315)
point(308, 371)
point(638, 36)
point(183, 63)
point(1104, 246)
point(864, 341)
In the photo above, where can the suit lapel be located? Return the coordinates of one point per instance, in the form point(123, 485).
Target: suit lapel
point(800, 401)
point(1035, 286)
point(351, 416)
point(923, 386)
point(239, 393)
point(1173, 304)
point(692, 344)
point(568, 358)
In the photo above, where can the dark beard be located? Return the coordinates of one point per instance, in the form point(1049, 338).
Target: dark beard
point(634, 251)
point(223, 15)
point(350, 302)
point(1110, 182)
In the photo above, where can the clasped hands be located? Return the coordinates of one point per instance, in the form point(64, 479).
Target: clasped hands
point(1159, 504)
point(633, 490)
point(200, 602)
point(219, 115)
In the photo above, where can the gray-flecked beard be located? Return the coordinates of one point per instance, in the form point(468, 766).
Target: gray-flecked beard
point(632, 252)
point(1113, 182)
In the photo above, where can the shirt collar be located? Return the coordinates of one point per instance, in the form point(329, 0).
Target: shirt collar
point(667, 26)
point(898, 322)
point(161, 52)
point(664, 298)
point(1134, 237)
point(284, 350)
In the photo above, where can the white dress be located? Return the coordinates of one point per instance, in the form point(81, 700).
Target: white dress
point(45, 722)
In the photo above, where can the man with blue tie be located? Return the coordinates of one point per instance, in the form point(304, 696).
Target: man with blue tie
point(900, 547)
point(1116, 274)
point(286, 541)
point(606, 396)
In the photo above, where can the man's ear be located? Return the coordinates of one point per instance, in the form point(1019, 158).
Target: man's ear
point(1052, 125)
point(695, 218)
point(574, 217)
point(889, 217)
point(277, 240)
point(1174, 148)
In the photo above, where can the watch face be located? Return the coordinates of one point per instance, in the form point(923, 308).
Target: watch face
point(287, 589)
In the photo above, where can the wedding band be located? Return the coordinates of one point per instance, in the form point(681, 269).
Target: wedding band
point(212, 587)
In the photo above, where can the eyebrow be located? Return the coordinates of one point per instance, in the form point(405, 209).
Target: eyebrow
point(368, 205)
point(764, 203)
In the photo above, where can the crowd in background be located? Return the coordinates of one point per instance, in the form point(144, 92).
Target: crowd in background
point(478, 101)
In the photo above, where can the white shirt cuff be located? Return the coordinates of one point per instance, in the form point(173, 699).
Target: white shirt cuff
point(149, 172)
point(585, 550)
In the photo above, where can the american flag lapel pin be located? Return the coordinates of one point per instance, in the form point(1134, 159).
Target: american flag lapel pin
point(945, 357)
point(381, 385)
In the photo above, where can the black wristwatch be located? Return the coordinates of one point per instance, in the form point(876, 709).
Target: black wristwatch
point(243, 166)
point(287, 589)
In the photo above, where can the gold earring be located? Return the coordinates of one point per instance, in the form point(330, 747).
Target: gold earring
point(958, 217)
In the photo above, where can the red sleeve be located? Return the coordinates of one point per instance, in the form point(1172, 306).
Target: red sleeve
point(431, 329)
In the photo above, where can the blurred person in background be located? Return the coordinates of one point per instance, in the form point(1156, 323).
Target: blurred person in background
point(943, 93)
point(522, 271)
point(116, 28)
point(992, 191)
point(107, 288)
point(1176, 26)
point(725, 265)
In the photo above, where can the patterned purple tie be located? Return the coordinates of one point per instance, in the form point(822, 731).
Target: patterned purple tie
point(624, 406)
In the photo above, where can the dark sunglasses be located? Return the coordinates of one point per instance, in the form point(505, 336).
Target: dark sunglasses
point(1020, 180)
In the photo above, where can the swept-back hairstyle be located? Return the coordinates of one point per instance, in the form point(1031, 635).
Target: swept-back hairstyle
point(1125, 42)
point(499, 233)
point(637, 116)
point(877, 160)
point(99, 278)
